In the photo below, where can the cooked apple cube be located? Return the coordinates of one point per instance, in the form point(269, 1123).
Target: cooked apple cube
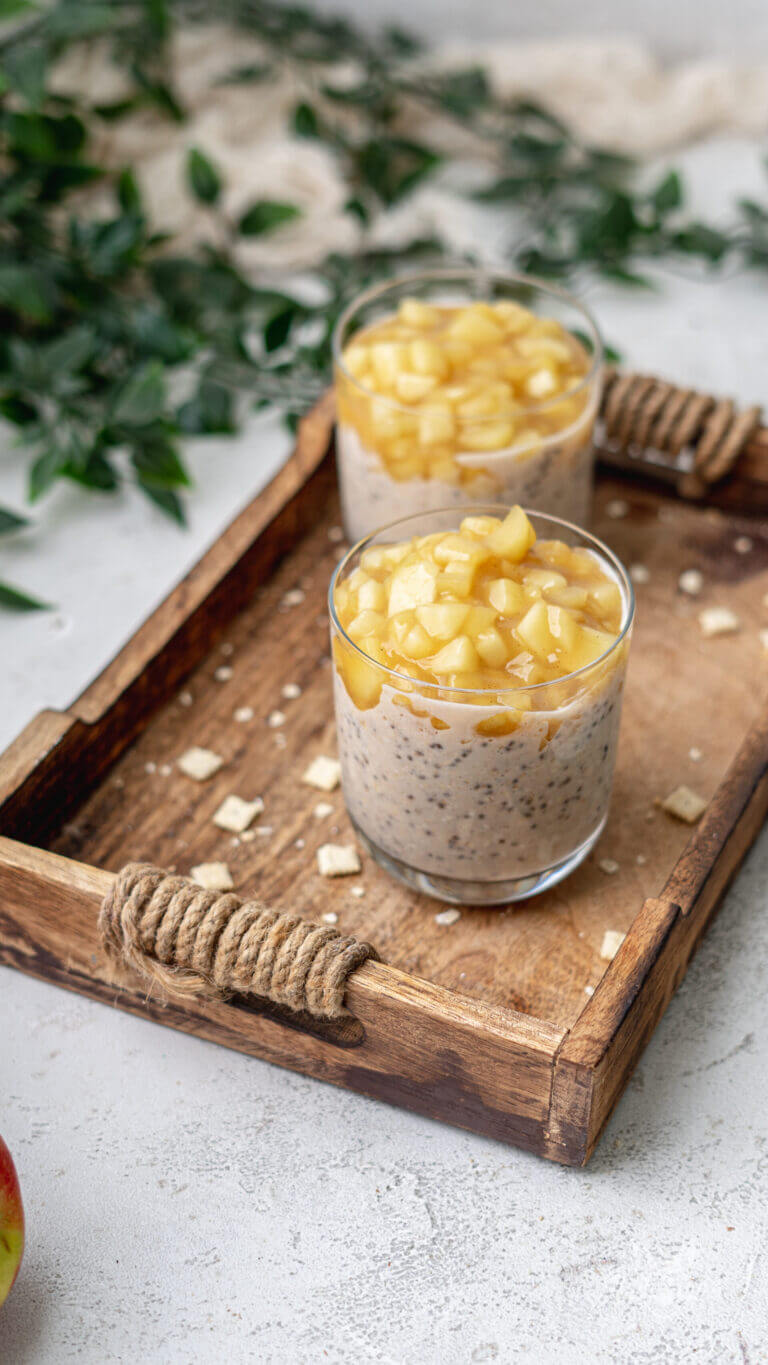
point(389, 359)
point(444, 620)
point(514, 537)
point(414, 313)
point(411, 388)
point(457, 578)
point(367, 623)
point(544, 579)
point(479, 526)
point(435, 424)
point(371, 596)
point(460, 656)
point(426, 357)
point(417, 644)
point(506, 596)
point(474, 325)
point(491, 647)
point(412, 586)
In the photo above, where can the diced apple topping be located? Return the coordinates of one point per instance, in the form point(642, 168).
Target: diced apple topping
point(485, 607)
point(432, 382)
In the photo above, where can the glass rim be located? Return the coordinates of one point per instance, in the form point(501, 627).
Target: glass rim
point(479, 273)
point(488, 509)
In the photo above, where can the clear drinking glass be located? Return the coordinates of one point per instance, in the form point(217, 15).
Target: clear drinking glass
point(468, 795)
point(539, 453)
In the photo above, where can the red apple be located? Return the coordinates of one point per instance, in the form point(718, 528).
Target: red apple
point(11, 1223)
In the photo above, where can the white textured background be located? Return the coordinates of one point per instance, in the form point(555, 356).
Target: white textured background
point(187, 1205)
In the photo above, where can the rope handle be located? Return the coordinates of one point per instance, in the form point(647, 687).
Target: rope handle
point(649, 414)
point(196, 942)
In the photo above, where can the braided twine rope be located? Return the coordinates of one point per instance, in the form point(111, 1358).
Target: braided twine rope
point(196, 942)
point(648, 414)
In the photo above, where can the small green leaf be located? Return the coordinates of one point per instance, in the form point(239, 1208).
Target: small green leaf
point(44, 472)
point(157, 463)
point(278, 328)
point(128, 192)
point(141, 398)
point(15, 599)
point(266, 215)
point(23, 289)
point(25, 71)
point(668, 194)
point(305, 121)
point(11, 521)
point(209, 411)
point(70, 351)
point(10, 8)
point(168, 501)
point(202, 177)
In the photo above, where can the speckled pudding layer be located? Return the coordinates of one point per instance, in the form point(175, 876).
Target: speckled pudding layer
point(454, 803)
point(557, 480)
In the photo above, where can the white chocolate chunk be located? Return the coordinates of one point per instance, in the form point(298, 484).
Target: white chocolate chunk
point(447, 916)
point(612, 941)
point(695, 755)
point(323, 773)
point(691, 581)
point(223, 673)
point(275, 719)
point(200, 764)
point(743, 544)
point(291, 691)
point(338, 860)
point(589, 990)
point(616, 509)
point(323, 809)
point(213, 876)
point(684, 804)
point(609, 865)
point(718, 621)
point(293, 598)
point(330, 917)
point(639, 573)
point(185, 699)
point(243, 714)
point(358, 891)
point(236, 815)
point(335, 534)
point(763, 638)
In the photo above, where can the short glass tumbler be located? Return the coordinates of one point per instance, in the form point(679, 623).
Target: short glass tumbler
point(463, 794)
point(395, 458)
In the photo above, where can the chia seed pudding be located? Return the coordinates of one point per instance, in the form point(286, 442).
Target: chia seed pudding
point(456, 803)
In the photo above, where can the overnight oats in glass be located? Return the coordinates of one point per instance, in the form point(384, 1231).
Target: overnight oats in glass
point(479, 664)
point(464, 386)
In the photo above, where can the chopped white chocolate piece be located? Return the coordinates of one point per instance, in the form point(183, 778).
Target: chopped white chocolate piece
point(291, 691)
point(609, 865)
point(227, 649)
point(330, 917)
point(447, 916)
point(695, 755)
point(322, 809)
point(213, 876)
point(639, 573)
point(358, 891)
point(338, 860)
point(589, 990)
point(150, 768)
point(335, 534)
point(743, 544)
point(243, 714)
point(223, 673)
point(641, 860)
point(299, 843)
point(185, 699)
point(200, 763)
point(616, 509)
point(275, 719)
point(718, 621)
point(323, 773)
point(612, 941)
point(293, 598)
point(248, 835)
point(280, 740)
point(684, 804)
point(691, 581)
point(235, 814)
point(763, 637)
point(165, 769)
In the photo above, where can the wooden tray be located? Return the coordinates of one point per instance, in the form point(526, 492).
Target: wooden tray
point(488, 1023)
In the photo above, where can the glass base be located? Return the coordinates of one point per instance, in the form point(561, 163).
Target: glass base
point(461, 891)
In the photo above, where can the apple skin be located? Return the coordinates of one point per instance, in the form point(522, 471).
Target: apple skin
point(11, 1223)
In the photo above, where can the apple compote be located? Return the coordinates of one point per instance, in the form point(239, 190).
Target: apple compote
point(449, 403)
point(478, 673)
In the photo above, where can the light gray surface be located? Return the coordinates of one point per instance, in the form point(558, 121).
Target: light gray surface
point(187, 1205)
